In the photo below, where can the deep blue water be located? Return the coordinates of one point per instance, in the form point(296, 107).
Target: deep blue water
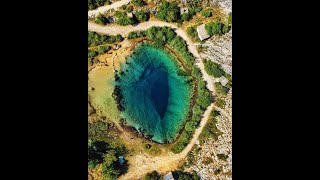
point(155, 98)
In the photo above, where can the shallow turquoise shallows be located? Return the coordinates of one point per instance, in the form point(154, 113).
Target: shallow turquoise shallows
point(155, 99)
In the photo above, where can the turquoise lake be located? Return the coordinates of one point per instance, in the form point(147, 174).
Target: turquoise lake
point(155, 98)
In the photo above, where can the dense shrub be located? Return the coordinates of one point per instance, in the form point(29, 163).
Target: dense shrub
point(103, 49)
point(97, 130)
point(93, 4)
point(142, 16)
point(92, 54)
point(185, 175)
point(123, 19)
point(221, 89)
point(169, 12)
point(100, 152)
point(217, 28)
point(211, 129)
point(186, 16)
point(95, 39)
point(206, 12)
point(101, 19)
point(152, 176)
point(230, 18)
point(138, 2)
point(220, 103)
point(213, 68)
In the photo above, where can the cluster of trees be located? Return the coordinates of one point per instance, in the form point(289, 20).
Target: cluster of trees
point(185, 175)
point(206, 12)
point(123, 19)
point(193, 8)
point(101, 19)
point(95, 39)
point(213, 68)
point(169, 12)
point(219, 102)
point(136, 34)
point(217, 28)
point(154, 175)
point(221, 89)
point(179, 44)
point(96, 131)
point(162, 35)
point(192, 33)
point(100, 152)
point(202, 102)
point(142, 16)
point(127, 8)
point(93, 4)
point(138, 2)
point(211, 129)
point(92, 54)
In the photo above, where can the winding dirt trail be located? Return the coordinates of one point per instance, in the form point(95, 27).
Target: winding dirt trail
point(105, 8)
point(167, 161)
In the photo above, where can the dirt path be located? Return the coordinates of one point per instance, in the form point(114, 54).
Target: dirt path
point(105, 8)
point(168, 161)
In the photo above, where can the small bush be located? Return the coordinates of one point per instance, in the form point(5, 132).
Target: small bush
point(206, 12)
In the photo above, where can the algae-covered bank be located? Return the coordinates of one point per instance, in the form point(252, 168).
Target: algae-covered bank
point(155, 99)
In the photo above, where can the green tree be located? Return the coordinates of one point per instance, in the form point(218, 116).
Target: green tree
point(206, 12)
point(216, 28)
point(103, 49)
point(186, 16)
point(138, 2)
point(169, 12)
point(142, 16)
point(213, 68)
point(123, 19)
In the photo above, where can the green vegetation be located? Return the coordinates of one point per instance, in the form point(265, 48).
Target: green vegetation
point(97, 130)
point(211, 130)
point(194, 6)
point(202, 102)
point(142, 16)
point(222, 156)
point(93, 4)
point(220, 103)
point(181, 47)
point(215, 113)
point(123, 19)
point(169, 12)
point(92, 54)
point(138, 2)
point(136, 34)
point(216, 28)
point(221, 89)
point(185, 175)
point(206, 12)
point(213, 68)
point(103, 49)
point(230, 18)
point(95, 39)
point(186, 16)
point(129, 9)
point(152, 176)
point(100, 152)
point(101, 19)
point(192, 33)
